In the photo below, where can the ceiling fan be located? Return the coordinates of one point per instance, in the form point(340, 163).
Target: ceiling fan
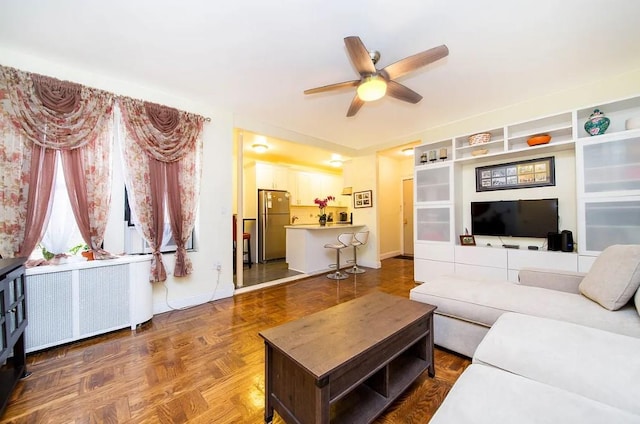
point(373, 83)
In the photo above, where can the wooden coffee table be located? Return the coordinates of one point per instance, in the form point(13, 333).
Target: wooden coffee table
point(346, 364)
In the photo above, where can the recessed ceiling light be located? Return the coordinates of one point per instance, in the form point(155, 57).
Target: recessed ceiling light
point(408, 151)
point(260, 147)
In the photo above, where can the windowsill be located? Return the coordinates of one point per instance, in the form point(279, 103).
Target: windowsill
point(79, 264)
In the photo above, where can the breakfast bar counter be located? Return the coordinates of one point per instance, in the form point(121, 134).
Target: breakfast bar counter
point(305, 246)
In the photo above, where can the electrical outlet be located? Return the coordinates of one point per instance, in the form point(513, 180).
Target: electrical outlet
point(218, 266)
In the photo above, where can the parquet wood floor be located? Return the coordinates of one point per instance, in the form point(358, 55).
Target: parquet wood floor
point(204, 364)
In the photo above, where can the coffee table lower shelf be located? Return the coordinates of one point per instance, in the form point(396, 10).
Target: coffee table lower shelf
point(365, 402)
point(319, 370)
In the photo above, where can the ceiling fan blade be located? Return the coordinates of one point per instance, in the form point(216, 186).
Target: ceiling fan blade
point(359, 56)
point(403, 93)
point(356, 104)
point(331, 87)
point(414, 62)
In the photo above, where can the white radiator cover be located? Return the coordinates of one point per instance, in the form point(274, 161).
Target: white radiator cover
point(70, 302)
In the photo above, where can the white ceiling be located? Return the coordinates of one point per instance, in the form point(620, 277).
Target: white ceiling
point(256, 57)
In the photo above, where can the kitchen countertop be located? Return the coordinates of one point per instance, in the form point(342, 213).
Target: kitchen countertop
point(329, 226)
point(305, 246)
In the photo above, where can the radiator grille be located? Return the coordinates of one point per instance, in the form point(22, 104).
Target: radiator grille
point(49, 309)
point(104, 299)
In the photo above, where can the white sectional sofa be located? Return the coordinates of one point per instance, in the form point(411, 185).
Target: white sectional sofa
point(603, 299)
point(536, 370)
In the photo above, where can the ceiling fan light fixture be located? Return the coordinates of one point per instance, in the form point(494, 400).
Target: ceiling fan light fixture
point(260, 147)
point(372, 88)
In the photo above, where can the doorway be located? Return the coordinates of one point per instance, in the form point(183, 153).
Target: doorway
point(407, 217)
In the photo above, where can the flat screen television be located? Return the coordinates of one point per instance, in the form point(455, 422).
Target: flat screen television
point(515, 218)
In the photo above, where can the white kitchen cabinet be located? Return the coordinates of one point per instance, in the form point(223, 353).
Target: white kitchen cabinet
point(306, 186)
point(272, 177)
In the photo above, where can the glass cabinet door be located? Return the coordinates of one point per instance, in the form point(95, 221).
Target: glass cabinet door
point(433, 184)
point(434, 223)
point(611, 221)
point(612, 166)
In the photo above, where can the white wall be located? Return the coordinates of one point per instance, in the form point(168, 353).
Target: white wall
point(389, 202)
point(213, 227)
point(363, 176)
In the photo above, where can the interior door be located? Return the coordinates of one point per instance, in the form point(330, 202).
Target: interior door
point(407, 217)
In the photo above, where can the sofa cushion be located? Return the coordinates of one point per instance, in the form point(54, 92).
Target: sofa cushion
point(614, 277)
point(596, 364)
point(482, 302)
point(487, 395)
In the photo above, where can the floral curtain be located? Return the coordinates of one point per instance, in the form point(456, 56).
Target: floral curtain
point(16, 164)
point(49, 115)
point(162, 155)
point(88, 177)
point(184, 174)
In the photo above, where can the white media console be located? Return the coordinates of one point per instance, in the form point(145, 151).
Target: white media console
point(496, 263)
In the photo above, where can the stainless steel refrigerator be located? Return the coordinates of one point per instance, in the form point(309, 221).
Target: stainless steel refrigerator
point(273, 215)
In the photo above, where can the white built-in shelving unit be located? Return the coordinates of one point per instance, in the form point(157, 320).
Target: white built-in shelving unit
point(608, 192)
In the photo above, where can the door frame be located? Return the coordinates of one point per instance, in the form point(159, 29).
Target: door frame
point(402, 225)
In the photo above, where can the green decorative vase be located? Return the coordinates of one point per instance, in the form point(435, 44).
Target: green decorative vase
point(597, 123)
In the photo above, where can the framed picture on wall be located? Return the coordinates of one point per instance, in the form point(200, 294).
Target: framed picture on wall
point(522, 174)
point(362, 199)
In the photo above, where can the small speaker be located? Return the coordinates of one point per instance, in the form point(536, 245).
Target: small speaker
point(554, 241)
point(566, 241)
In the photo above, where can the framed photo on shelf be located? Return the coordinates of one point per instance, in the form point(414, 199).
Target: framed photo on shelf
point(362, 199)
point(467, 240)
point(522, 174)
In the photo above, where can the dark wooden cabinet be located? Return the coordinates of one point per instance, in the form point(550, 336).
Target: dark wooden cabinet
point(13, 321)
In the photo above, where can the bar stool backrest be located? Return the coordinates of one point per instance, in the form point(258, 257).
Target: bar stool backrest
point(345, 238)
point(362, 237)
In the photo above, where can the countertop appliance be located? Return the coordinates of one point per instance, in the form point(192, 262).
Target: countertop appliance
point(273, 215)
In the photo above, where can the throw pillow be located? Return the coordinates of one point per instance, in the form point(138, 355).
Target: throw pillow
point(637, 300)
point(614, 277)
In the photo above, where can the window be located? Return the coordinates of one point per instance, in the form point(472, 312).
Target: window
point(62, 233)
point(134, 243)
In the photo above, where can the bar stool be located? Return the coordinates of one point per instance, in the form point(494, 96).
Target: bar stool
point(245, 237)
point(344, 240)
point(359, 239)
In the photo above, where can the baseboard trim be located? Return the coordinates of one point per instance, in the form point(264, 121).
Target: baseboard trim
point(388, 255)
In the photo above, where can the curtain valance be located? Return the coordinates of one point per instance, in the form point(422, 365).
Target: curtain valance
point(165, 134)
point(52, 113)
